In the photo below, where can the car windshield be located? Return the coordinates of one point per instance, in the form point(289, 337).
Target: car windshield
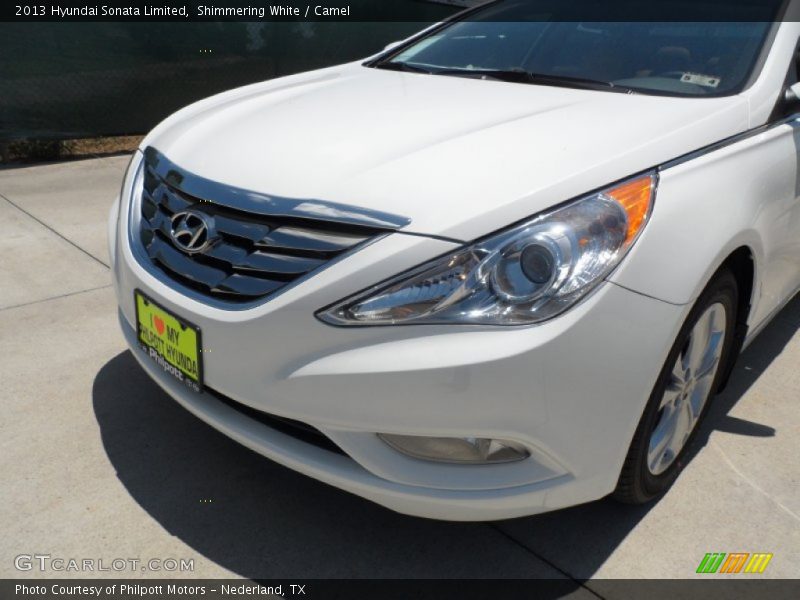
point(539, 41)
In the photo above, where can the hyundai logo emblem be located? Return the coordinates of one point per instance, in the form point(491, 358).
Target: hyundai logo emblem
point(192, 231)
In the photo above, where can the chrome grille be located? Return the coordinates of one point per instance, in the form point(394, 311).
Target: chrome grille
point(254, 253)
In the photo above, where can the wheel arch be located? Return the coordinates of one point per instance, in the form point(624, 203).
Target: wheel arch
point(742, 264)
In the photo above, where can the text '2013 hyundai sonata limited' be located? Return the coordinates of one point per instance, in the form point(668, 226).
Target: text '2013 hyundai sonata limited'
point(501, 268)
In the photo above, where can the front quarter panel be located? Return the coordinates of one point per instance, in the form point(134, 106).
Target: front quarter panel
point(709, 205)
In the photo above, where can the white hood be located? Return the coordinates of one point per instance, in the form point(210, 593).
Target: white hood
point(460, 157)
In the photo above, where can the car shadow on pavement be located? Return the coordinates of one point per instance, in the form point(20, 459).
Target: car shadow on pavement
point(261, 520)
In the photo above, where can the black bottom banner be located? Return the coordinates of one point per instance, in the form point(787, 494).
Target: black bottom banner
point(358, 589)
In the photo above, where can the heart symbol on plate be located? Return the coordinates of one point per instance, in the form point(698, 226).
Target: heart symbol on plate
point(159, 323)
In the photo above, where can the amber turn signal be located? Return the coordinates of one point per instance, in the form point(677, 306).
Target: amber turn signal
point(635, 197)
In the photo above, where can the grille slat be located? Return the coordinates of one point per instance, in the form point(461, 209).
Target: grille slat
point(263, 262)
point(250, 231)
point(243, 285)
point(179, 263)
point(170, 200)
point(250, 255)
point(308, 240)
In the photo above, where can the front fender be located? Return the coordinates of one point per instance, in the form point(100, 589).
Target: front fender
point(708, 207)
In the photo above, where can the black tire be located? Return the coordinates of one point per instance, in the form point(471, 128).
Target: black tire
point(637, 484)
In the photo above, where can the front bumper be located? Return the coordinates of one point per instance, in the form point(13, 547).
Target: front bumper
point(571, 390)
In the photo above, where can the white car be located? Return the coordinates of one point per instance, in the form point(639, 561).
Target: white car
point(501, 268)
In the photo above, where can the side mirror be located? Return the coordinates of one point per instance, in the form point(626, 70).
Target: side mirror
point(791, 96)
point(391, 46)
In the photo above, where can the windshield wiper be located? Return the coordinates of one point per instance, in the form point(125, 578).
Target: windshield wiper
point(583, 83)
point(403, 66)
point(522, 76)
point(512, 75)
point(516, 75)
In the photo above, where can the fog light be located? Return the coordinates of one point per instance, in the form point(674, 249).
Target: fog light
point(457, 450)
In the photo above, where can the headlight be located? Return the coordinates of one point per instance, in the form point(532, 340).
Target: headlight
point(522, 275)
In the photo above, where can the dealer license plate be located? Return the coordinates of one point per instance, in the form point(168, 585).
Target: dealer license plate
point(170, 341)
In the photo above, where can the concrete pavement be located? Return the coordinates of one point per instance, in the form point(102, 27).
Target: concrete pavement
point(98, 463)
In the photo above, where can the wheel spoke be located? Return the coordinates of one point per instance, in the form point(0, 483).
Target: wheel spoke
point(670, 395)
point(683, 425)
point(656, 455)
point(661, 440)
point(699, 397)
point(691, 415)
point(678, 376)
point(711, 358)
point(698, 342)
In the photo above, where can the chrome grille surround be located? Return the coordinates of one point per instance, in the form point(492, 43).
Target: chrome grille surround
point(261, 244)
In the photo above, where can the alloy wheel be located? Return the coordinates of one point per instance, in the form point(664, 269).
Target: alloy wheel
point(688, 389)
